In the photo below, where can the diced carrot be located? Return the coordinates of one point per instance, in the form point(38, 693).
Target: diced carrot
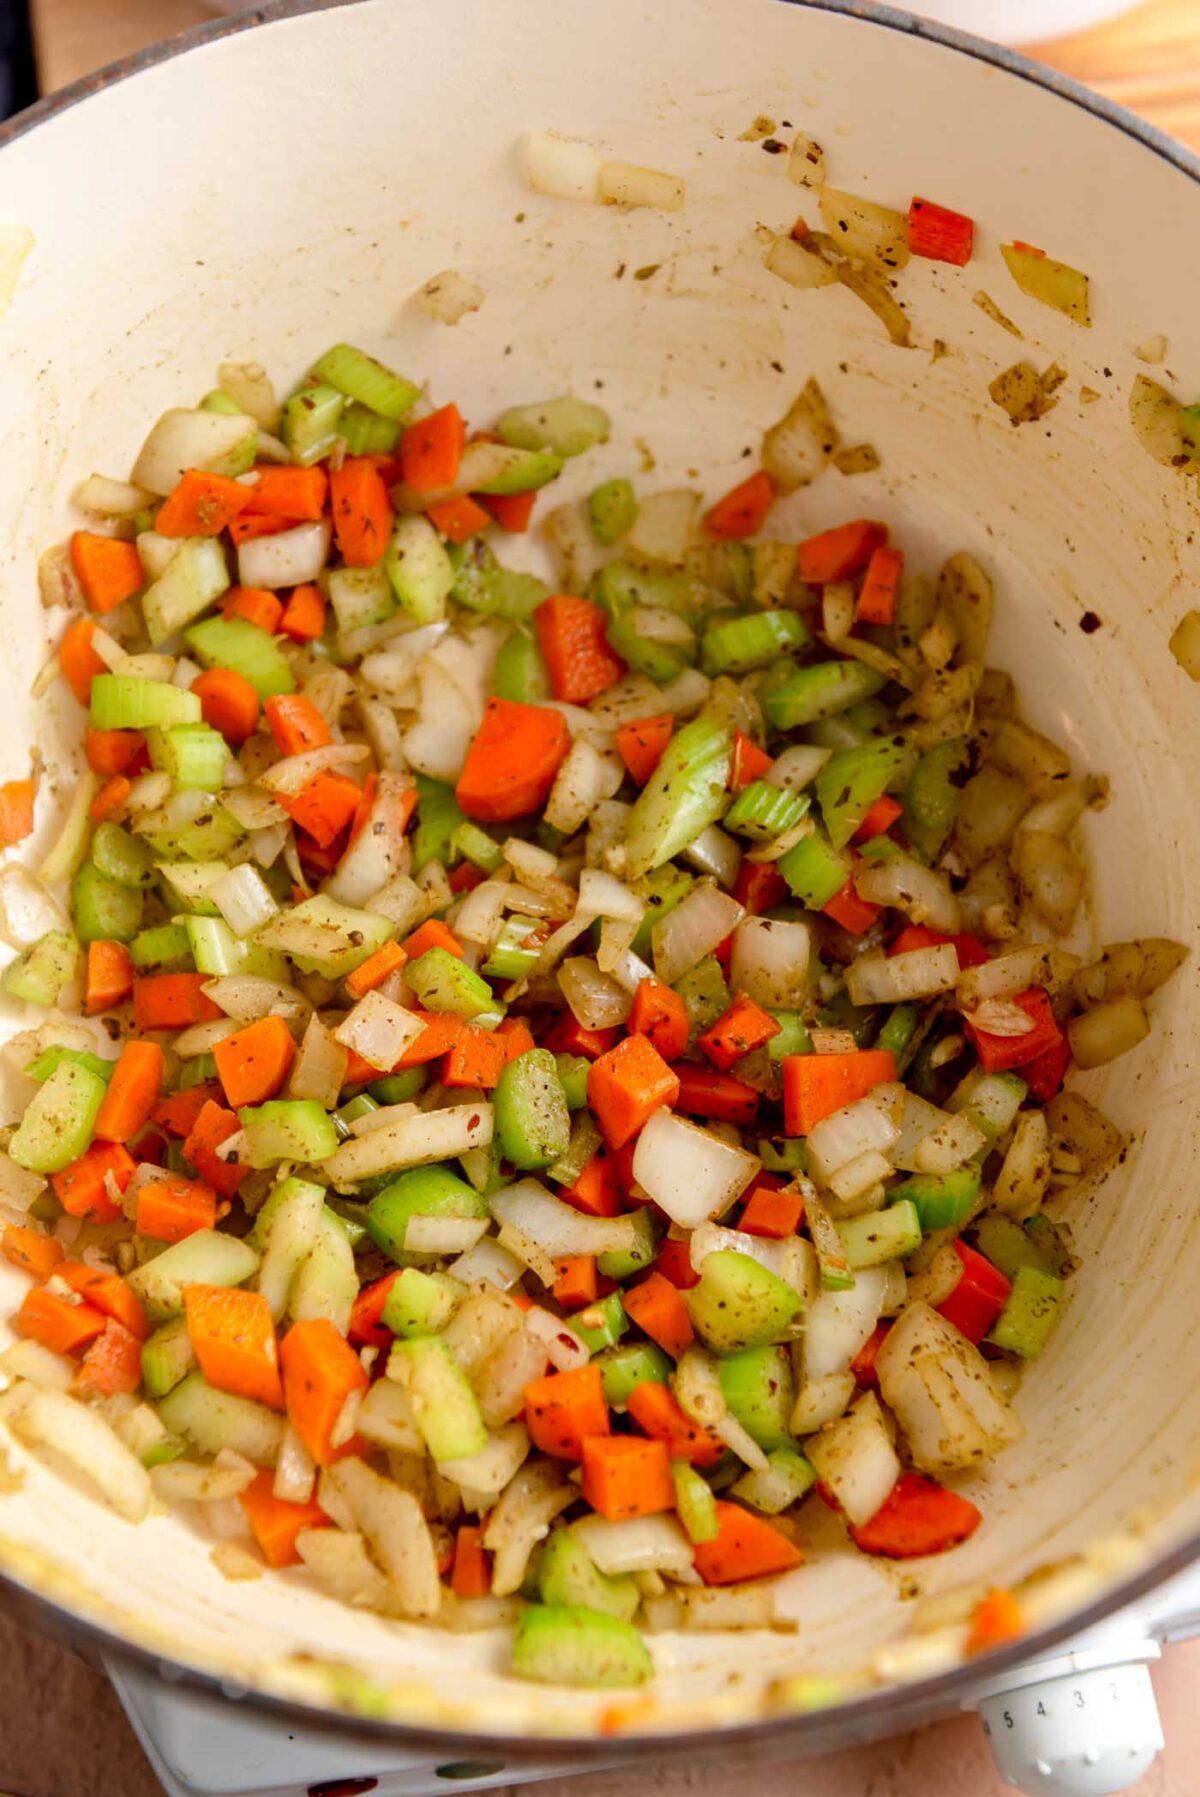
point(112, 1364)
point(202, 505)
point(748, 763)
point(918, 1517)
point(567, 1035)
point(295, 494)
point(969, 950)
point(853, 913)
point(275, 1523)
point(109, 978)
point(512, 761)
point(878, 818)
point(253, 1064)
point(257, 605)
point(296, 724)
point(433, 933)
point(57, 1323)
point(624, 1476)
point(441, 1032)
point(79, 661)
point(471, 1575)
point(937, 232)
point(863, 1364)
point(876, 603)
point(324, 806)
point(365, 1326)
point(597, 1191)
point(177, 1112)
point(251, 525)
point(744, 1026)
point(627, 1085)
point(318, 862)
point(706, 1093)
point(512, 511)
point(228, 702)
point(320, 1370)
point(112, 751)
point(110, 798)
point(571, 635)
point(659, 1312)
point(35, 1253)
point(82, 1188)
point(431, 449)
point(109, 569)
point(477, 1059)
point(743, 511)
point(641, 744)
point(659, 1014)
point(997, 1619)
point(171, 1208)
point(838, 553)
point(674, 1262)
point(979, 1296)
point(234, 1338)
point(152, 1148)
point(458, 519)
point(362, 512)
point(375, 969)
point(133, 1090)
point(658, 1415)
point(759, 887)
point(212, 1126)
point(516, 1037)
point(16, 811)
point(564, 1409)
point(775, 1215)
point(816, 1085)
point(746, 1547)
point(108, 1293)
point(465, 878)
point(170, 1001)
point(576, 1281)
point(304, 615)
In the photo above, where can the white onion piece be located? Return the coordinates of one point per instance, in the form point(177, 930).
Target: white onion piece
point(437, 743)
point(1023, 1178)
point(715, 852)
point(293, 774)
point(565, 1348)
point(288, 559)
point(587, 776)
point(846, 1133)
point(1106, 1031)
point(489, 1263)
point(379, 1030)
point(489, 1471)
point(603, 895)
point(863, 229)
point(638, 1544)
point(449, 296)
point(380, 850)
point(892, 979)
point(770, 962)
point(625, 184)
point(787, 1259)
point(856, 1459)
point(320, 1068)
point(243, 898)
point(481, 913)
point(295, 1471)
point(249, 387)
point(663, 527)
point(922, 893)
point(40, 1366)
point(859, 1182)
point(396, 1531)
point(561, 167)
point(949, 1145)
point(821, 1401)
point(247, 997)
point(106, 498)
point(383, 1118)
point(938, 1385)
point(443, 1235)
point(557, 1228)
point(413, 1142)
point(202, 1038)
point(183, 439)
point(27, 910)
point(693, 929)
point(402, 902)
point(918, 1119)
point(522, 1517)
point(798, 264)
point(595, 998)
point(50, 1419)
point(836, 1324)
point(186, 1481)
point(689, 1173)
point(741, 1442)
point(19, 1188)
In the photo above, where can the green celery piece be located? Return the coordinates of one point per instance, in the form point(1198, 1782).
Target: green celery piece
point(532, 1120)
point(762, 811)
point(216, 951)
point(882, 1235)
point(837, 733)
point(238, 644)
point(741, 645)
point(122, 857)
point(623, 1263)
point(783, 1154)
point(694, 1502)
point(193, 754)
point(833, 1260)
point(444, 983)
point(793, 1036)
point(862, 1021)
point(185, 886)
point(510, 958)
point(351, 1111)
point(602, 1324)
point(287, 1129)
point(354, 935)
point(851, 781)
point(44, 1064)
point(757, 1386)
point(208, 837)
point(815, 870)
point(420, 1303)
point(612, 510)
point(311, 420)
point(104, 909)
point(419, 569)
point(398, 1088)
point(623, 1369)
point(660, 662)
point(897, 1031)
point(990, 1100)
point(212, 1420)
point(820, 691)
point(197, 1071)
point(326, 1283)
point(585, 1143)
point(216, 401)
point(483, 585)
point(705, 995)
point(871, 715)
point(567, 1574)
point(286, 1231)
point(360, 597)
point(934, 793)
point(573, 1078)
point(567, 426)
point(660, 891)
point(782, 1483)
point(942, 1200)
point(39, 974)
point(127, 702)
point(1030, 1313)
point(724, 568)
point(738, 1303)
point(444, 1406)
point(520, 673)
point(438, 817)
point(348, 1217)
point(566, 1644)
point(476, 846)
point(517, 596)
point(167, 1357)
point(57, 1124)
point(620, 587)
point(685, 793)
point(367, 381)
point(1051, 1244)
point(500, 468)
point(195, 575)
point(1002, 1240)
point(421, 1192)
point(365, 433)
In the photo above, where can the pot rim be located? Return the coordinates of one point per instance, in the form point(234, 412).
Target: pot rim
point(878, 1712)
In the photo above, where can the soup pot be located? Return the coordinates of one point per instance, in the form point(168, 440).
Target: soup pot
point(293, 177)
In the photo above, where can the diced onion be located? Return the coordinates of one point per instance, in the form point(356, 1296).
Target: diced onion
point(380, 850)
point(586, 777)
point(450, 295)
point(320, 1068)
point(186, 1481)
point(293, 774)
point(770, 962)
point(1037, 965)
point(1106, 1031)
point(595, 998)
point(937, 1384)
point(949, 1146)
point(202, 1038)
point(295, 1471)
point(488, 1262)
point(396, 1531)
point(412, 1142)
point(379, 1030)
point(565, 1348)
point(50, 1419)
point(625, 184)
point(741, 1442)
point(806, 164)
point(558, 1228)
point(715, 852)
point(798, 766)
point(663, 527)
point(561, 167)
point(1022, 1180)
point(247, 997)
point(27, 910)
point(602, 895)
point(40, 1366)
point(798, 264)
point(856, 1459)
point(693, 929)
point(111, 498)
point(443, 1235)
point(688, 1172)
point(917, 973)
point(636, 1544)
point(489, 1471)
point(821, 1401)
point(243, 898)
point(249, 386)
point(288, 559)
point(837, 1323)
point(922, 893)
point(787, 1259)
point(868, 1123)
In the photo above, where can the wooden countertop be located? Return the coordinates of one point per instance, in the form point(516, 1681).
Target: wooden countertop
point(62, 1732)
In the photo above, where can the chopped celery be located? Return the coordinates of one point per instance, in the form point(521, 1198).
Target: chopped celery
point(602, 1324)
point(361, 597)
point(44, 1064)
point(881, 1235)
point(777, 1486)
point(104, 909)
point(194, 755)
point(215, 950)
point(212, 1420)
point(726, 568)
point(40, 972)
point(814, 870)
point(623, 1263)
point(482, 584)
point(990, 1100)
point(1002, 1240)
point(833, 1260)
point(612, 510)
point(420, 1303)
point(195, 575)
point(438, 817)
point(520, 673)
point(206, 833)
point(820, 691)
point(311, 421)
point(216, 401)
point(740, 645)
point(363, 379)
point(336, 938)
point(942, 1200)
point(623, 1369)
point(851, 781)
point(1030, 1313)
point(660, 662)
point(1051, 1244)
point(684, 794)
point(704, 993)
point(57, 1124)
point(286, 1231)
point(762, 811)
point(287, 1129)
point(757, 1386)
point(934, 793)
point(197, 1071)
point(567, 1574)
point(582, 1148)
point(621, 586)
point(253, 653)
point(792, 1037)
point(897, 1031)
point(500, 469)
point(349, 1113)
point(695, 1503)
point(443, 982)
point(840, 1013)
point(660, 891)
point(444, 1405)
point(122, 857)
point(738, 1303)
point(515, 950)
point(398, 1088)
point(348, 1218)
point(532, 1120)
point(127, 702)
point(569, 1645)
point(567, 426)
point(419, 569)
point(783, 1154)
point(515, 595)
point(476, 846)
point(167, 1357)
point(880, 848)
point(421, 1192)
point(365, 433)
point(573, 1078)
point(185, 886)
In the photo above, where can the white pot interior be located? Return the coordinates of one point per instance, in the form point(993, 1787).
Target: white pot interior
point(277, 189)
